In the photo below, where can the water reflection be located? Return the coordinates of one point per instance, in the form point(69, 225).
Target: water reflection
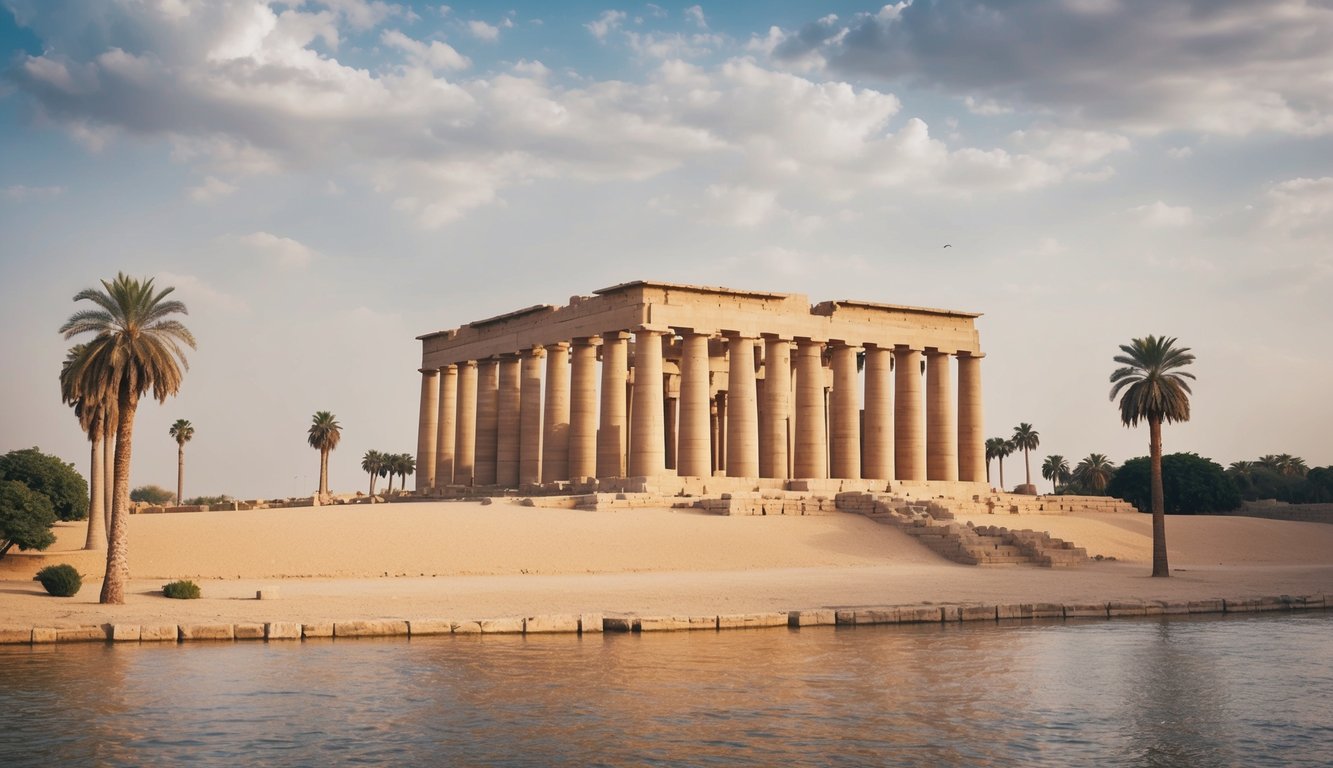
point(1180, 692)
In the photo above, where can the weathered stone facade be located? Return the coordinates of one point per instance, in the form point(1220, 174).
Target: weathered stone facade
point(656, 380)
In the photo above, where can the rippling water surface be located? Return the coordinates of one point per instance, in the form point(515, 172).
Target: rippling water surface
point(1190, 692)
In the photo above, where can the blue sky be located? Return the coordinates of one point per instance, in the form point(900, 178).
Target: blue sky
point(324, 181)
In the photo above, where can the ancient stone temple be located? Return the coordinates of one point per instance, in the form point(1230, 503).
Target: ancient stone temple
point(660, 382)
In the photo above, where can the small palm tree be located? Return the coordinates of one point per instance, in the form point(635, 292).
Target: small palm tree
point(135, 350)
point(387, 471)
point(91, 413)
point(323, 435)
point(994, 445)
point(1026, 439)
point(406, 465)
point(1005, 449)
point(1094, 472)
point(1153, 389)
point(1055, 469)
point(371, 463)
point(182, 431)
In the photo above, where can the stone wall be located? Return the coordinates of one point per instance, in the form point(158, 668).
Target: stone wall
point(1278, 510)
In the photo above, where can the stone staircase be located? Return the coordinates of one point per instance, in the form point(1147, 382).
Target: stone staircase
point(933, 524)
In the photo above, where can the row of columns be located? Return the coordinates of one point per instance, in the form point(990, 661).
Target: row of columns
point(499, 421)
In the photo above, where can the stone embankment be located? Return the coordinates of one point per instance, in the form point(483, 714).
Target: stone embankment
point(1269, 509)
point(594, 623)
point(933, 524)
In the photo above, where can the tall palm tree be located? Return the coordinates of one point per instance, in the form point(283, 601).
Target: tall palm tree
point(91, 414)
point(406, 465)
point(371, 463)
point(135, 350)
point(386, 470)
point(1026, 439)
point(1094, 472)
point(323, 435)
point(993, 447)
point(1154, 390)
point(1055, 469)
point(1005, 449)
point(182, 431)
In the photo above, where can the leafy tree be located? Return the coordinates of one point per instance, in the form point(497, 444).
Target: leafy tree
point(50, 476)
point(1191, 485)
point(372, 463)
point(26, 518)
point(1026, 439)
point(135, 350)
point(182, 431)
point(323, 435)
point(94, 415)
point(1055, 469)
point(1094, 473)
point(1152, 388)
point(152, 494)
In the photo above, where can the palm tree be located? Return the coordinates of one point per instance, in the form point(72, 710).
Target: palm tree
point(1055, 469)
point(323, 435)
point(136, 350)
point(386, 470)
point(1026, 439)
point(406, 465)
point(994, 445)
point(91, 415)
point(371, 463)
point(1094, 472)
point(182, 431)
point(1005, 449)
point(1154, 390)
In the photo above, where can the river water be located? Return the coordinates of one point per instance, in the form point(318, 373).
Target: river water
point(1243, 691)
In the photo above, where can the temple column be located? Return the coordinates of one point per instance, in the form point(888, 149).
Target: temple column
point(611, 436)
point(941, 430)
point(720, 434)
point(909, 445)
point(427, 429)
point(777, 408)
point(444, 437)
point(693, 452)
point(488, 393)
point(878, 455)
point(971, 438)
point(465, 438)
point(530, 417)
point(507, 406)
point(811, 459)
point(742, 408)
point(845, 416)
point(555, 427)
point(647, 442)
point(583, 410)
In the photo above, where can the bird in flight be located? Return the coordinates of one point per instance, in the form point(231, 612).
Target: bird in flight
point(947, 245)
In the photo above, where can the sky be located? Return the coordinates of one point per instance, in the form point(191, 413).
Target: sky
point(324, 181)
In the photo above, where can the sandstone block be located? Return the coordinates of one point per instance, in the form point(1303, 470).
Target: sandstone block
point(920, 614)
point(81, 634)
point(466, 627)
point(978, 613)
point(1237, 605)
point(282, 630)
point(844, 617)
point(1173, 607)
point(318, 629)
point(1270, 604)
point(950, 613)
point(125, 633)
point(620, 623)
point(1310, 602)
point(1085, 610)
point(384, 628)
point(268, 593)
point(423, 627)
point(1206, 606)
point(752, 620)
point(1125, 608)
point(876, 616)
point(248, 631)
point(817, 618)
point(43, 635)
point(534, 625)
point(157, 633)
point(590, 623)
point(207, 632)
point(15, 635)
point(1014, 611)
point(512, 626)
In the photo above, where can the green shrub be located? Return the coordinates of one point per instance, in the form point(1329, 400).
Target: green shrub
point(182, 590)
point(1191, 485)
point(26, 518)
point(60, 580)
point(50, 476)
point(207, 501)
point(152, 494)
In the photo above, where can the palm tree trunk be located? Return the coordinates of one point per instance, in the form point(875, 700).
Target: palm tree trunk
point(372, 484)
point(1053, 476)
point(96, 497)
point(108, 474)
point(1001, 474)
point(117, 554)
point(323, 473)
point(1027, 469)
point(180, 472)
point(1159, 564)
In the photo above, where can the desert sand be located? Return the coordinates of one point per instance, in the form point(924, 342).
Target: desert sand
point(465, 560)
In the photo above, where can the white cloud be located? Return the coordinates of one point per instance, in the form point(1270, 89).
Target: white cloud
point(695, 15)
point(985, 107)
point(482, 31)
point(194, 292)
point(19, 193)
point(1301, 208)
point(1180, 153)
point(435, 54)
point(284, 251)
point(1159, 215)
point(605, 24)
point(211, 189)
